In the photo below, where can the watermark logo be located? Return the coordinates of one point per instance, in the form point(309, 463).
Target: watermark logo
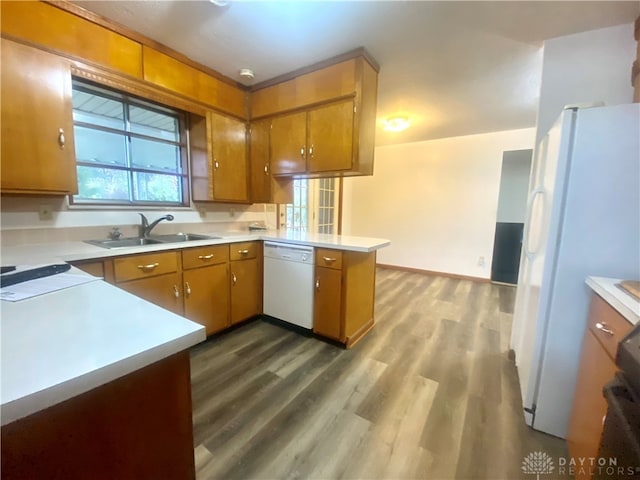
point(537, 463)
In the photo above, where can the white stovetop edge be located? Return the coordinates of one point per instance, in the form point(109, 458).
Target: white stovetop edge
point(620, 300)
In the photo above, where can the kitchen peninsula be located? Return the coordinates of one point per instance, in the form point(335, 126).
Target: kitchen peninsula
point(96, 380)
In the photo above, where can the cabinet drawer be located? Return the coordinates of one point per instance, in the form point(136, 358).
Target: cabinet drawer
point(616, 325)
point(244, 250)
point(143, 266)
point(329, 258)
point(203, 256)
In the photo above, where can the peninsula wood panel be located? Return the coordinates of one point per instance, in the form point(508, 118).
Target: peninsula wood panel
point(38, 153)
point(165, 71)
point(359, 296)
point(320, 86)
point(136, 427)
point(49, 26)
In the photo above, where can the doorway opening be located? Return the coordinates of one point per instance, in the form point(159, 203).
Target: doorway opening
point(512, 206)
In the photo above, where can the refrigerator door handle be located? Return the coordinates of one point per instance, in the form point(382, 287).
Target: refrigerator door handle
point(527, 230)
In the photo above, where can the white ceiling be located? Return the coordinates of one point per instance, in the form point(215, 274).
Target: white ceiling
point(455, 68)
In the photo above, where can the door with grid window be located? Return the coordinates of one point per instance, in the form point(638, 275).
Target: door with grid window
point(315, 208)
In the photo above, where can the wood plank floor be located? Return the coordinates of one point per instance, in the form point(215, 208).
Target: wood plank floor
point(429, 393)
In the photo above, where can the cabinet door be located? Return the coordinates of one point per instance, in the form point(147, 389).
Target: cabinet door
point(260, 168)
point(206, 296)
point(229, 158)
point(589, 405)
point(330, 146)
point(163, 290)
point(327, 302)
point(245, 289)
point(288, 144)
point(38, 152)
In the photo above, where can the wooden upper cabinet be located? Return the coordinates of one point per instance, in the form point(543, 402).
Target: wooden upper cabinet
point(289, 144)
point(333, 131)
point(330, 138)
point(229, 158)
point(165, 71)
point(260, 164)
point(219, 161)
point(48, 25)
point(38, 154)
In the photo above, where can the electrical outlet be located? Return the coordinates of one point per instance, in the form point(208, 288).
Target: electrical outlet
point(45, 212)
point(481, 261)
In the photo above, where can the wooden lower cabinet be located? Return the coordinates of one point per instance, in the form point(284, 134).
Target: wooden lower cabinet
point(597, 368)
point(162, 290)
point(206, 296)
point(246, 294)
point(344, 294)
point(327, 302)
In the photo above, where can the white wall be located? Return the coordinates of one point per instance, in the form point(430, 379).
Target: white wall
point(436, 201)
point(585, 67)
point(514, 186)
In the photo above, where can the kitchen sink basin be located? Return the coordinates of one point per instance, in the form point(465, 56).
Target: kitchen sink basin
point(153, 240)
point(124, 242)
point(182, 237)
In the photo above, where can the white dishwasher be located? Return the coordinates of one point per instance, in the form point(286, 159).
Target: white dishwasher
point(288, 283)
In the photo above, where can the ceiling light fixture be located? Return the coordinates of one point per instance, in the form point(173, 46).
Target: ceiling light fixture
point(247, 73)
point(220, 3)
point(396, 124)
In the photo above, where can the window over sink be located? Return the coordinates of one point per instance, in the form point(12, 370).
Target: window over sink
point(128, 151)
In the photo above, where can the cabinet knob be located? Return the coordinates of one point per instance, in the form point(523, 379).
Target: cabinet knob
point(234, 279)
point(302, 152)
point(187, 288)
point(61, 138)
point(311, 151)
point(602, 326)
point(216, 164)
point(317, 284)
point(176, 292)
point(266, 169)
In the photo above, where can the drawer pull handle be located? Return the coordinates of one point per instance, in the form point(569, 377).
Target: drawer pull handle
point(243, 252)
point(187, 288)
point(206, 257)
point(234, 279)
point(329, 259)
point(176, 292)
point(150, 266)
point(61, 138)
point(603, 328)
point(317, 284)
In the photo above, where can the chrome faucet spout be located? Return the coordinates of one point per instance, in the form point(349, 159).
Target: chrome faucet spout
point(146, 227)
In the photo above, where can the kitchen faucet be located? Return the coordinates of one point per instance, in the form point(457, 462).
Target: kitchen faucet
point(146, 227)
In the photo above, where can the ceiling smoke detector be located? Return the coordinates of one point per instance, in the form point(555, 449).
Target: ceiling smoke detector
point(247, 73)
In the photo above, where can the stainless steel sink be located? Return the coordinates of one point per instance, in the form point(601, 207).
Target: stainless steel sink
point(153, 240)
point(124, 242)
point(182, 237)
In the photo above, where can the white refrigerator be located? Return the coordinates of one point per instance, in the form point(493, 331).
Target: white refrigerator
point(583, 219)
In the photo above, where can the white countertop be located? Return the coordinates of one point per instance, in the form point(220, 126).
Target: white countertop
point(65, 343)
point(58, 345)
point(625, 304)
point(75, 251)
